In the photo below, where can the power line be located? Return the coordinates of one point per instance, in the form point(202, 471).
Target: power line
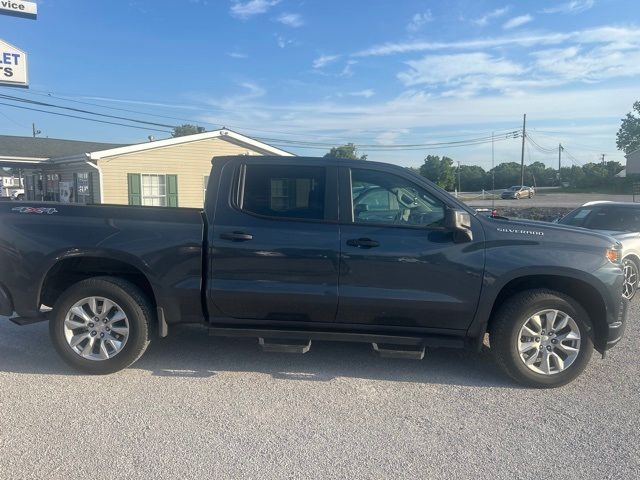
point(385, 148)
point(220, 124)
point(477, 140)
point(83, 118)
point(79, 110)
point(539, 147)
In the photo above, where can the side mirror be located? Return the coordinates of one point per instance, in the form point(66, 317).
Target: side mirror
point(459, 222)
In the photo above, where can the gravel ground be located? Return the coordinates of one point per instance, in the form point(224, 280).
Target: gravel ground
point(196, 407)
point(571, 200)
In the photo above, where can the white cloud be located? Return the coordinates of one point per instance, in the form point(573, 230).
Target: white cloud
point(424, 115)
point(250, 8)
point(293, 20)
point(347, 71)
point(574, 6)
point(418, 20)
point(470, 74)
point(282, 41)
point(253, 91)
point(606, 34)
point(484, 20)
point(324, 60)
point(367, 93)
point(237, 55)
point(517, 21)
point(390, 136)
point(454, 69)
point(600, 63)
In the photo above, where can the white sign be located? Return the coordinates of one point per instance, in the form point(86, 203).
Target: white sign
point(65, 192)
point(13, 66)
point(19, 8)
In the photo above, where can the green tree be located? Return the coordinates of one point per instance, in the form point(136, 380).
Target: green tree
point(440, 171)
point(473, 178)
point(348, 152)
point(628, 137)
point(534, 173)
point(186, 129)
point(507, 174)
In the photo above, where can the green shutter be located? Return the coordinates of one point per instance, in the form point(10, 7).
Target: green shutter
point(135, 197)
point(172, 190)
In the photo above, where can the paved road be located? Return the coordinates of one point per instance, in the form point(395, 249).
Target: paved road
point(204, 407)
point(571, 200)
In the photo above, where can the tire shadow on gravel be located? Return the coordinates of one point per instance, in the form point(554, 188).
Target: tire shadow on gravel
point(189, 352)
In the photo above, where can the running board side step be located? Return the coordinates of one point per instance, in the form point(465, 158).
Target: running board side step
point(407, 352)
point(282, 345)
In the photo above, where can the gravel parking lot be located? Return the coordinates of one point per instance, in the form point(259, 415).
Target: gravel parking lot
point(197, 406)
point(543, 199)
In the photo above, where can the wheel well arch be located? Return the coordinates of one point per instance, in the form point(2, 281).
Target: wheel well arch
point(71, 270)
point(581, 291)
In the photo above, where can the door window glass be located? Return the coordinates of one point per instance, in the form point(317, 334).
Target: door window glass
point(384, 198)
point(284, 191)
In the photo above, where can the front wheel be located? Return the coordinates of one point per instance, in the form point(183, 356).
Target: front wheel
point(631, 278)
point(542, 338)
point(101, 325)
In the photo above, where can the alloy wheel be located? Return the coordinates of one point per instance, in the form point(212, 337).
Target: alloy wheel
point(96, 328)
point(549, 342)
point(630, 279)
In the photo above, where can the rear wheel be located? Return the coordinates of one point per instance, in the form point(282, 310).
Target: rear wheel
point(101, 325)
point(542, 338)
point(631, 278)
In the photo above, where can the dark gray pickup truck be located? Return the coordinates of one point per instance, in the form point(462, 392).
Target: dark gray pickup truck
point(291, 250)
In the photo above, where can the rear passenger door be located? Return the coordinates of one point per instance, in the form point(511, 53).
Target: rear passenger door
point(274, 243)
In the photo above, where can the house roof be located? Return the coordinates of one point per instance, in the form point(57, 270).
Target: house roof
point(226, 134)
point(38, 148)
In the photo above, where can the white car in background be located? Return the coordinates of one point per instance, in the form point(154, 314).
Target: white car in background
point(17, 195)
point(621, 220)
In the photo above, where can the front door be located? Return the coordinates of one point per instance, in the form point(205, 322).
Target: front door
point(399, 265)
point(274, 243)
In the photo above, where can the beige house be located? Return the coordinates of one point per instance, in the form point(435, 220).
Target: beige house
point(171, 172)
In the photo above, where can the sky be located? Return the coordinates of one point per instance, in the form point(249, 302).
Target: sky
point(308, 74)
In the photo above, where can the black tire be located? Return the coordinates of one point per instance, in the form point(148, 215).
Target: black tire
point(505, 328)
point(634, 288)
point(130, 298)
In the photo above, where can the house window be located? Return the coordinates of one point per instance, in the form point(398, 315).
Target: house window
point(154, 190)
point(206, 182)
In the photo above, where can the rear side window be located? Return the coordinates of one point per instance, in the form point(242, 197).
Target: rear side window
point(284, 191)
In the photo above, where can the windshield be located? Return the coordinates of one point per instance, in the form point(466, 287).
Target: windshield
point(617, 219)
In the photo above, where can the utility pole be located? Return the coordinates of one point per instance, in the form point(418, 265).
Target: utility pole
point(459, 177)
point(559, 163)
point(35, 132)
point(603, 155)
point(493, 174)
point(524, 134)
